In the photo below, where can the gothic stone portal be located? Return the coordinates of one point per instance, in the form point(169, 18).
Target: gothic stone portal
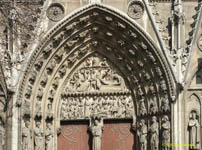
point(96, 90)
point(93, 68)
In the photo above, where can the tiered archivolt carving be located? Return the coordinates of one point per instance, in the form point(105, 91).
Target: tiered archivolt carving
point(95, 63)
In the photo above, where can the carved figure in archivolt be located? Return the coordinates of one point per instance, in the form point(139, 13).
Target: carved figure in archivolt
point(108, 106)
point(154, 134)
point(26, 136)
point(38, 137)
point(49, 137)
point(95, 74)
point(165, 133)
point(194, 131)
point(165, 104)
point(153, 105)
point(96, 128)
point(142, 108)
point(142, 135)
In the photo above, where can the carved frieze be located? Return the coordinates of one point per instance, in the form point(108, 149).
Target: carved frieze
point(107, 106)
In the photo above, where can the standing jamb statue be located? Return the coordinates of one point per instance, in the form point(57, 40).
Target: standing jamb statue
point(38, 137)
point(26, 136)
point(194, 132)
point(142, 134)
point(154, 131)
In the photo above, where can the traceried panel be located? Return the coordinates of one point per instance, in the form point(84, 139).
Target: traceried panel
point(95, 74)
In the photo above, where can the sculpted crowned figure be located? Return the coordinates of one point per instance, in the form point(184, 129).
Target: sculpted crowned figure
point(49, 137)
point(26, 136)
point(154, 131)
point(165, 133)
point(142, 134)
point(38, 137)
point(96, 128)
point(194, 132)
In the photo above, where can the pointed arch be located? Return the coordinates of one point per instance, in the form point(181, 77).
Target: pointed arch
point(101, 29)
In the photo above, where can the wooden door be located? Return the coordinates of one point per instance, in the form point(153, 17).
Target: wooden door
point(74, 136)
point(116, 135)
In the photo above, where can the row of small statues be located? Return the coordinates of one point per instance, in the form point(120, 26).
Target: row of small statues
point(38, 137)
point(108, 106)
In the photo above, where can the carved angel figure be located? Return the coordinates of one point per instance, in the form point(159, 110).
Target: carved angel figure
point(26, 136)
point(194, 132)
point(96, 128)
point(38, 137)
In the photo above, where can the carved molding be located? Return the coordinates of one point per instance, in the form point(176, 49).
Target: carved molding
point(59, 61)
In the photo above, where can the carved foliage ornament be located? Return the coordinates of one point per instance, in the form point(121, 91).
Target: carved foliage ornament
point(55, 12)
point(135, 9)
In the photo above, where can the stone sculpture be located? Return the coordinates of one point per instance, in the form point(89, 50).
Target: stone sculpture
point(142, 108)
point(165, 133)
point(142, 134)
point(194, 131)
point(26, 136)
point(38, 137)
point(49, 137)
point(96, 128)
point(154, 134)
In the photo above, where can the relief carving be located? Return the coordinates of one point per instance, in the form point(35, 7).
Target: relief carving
point(95, 75)
point(106, 106)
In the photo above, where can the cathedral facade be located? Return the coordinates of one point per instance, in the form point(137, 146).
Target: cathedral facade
point(107, 75)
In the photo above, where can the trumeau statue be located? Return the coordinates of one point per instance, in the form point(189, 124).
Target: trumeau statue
point(96, 128)
point(154, 134)
point(26, 136)
point(194, 131)
point(142, 134)
point(38, 137)
point(165, 133)
point(49, 137)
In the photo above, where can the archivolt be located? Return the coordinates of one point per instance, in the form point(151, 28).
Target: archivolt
point(95, 28)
